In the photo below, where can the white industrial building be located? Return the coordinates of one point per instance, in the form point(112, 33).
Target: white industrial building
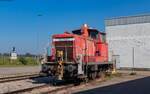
point(129, 41)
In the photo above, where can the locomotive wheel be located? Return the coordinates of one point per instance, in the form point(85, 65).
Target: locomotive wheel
point(93, 75)
point(98, 75)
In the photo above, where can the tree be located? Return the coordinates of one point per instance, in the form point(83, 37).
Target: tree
point(23, 60)
point(6, 54)
point(28, 55)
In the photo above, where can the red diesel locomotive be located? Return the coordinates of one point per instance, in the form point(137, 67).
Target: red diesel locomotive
point(82, 54)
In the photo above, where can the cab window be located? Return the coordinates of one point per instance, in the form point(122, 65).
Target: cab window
point(93, 35)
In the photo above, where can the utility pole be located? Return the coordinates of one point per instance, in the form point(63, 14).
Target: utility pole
point(133, 61)
point(38, 41)
point(3, 58)
point(48, 46)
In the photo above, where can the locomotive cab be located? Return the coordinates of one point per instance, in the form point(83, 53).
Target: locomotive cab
point(92, 33)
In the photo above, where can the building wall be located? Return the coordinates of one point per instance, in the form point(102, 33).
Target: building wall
point(122, 38)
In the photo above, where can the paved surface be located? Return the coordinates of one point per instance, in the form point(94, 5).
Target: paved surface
point(136, 86)
point(15, 70)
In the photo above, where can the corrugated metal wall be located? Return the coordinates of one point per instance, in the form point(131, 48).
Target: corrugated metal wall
point(123, 36)
point(128, 20)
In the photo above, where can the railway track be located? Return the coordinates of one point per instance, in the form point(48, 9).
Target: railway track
point(17, 78)
point(27, 89)
point(40, 87)
point(52, 91)
point(57, 89)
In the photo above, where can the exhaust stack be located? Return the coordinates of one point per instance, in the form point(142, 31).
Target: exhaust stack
point(85, 30)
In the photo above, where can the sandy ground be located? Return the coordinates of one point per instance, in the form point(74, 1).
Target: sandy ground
point(15, 70)
point(126, 77)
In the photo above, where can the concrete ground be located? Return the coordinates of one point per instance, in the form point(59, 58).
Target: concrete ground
point(16, 70)
point(127, 84)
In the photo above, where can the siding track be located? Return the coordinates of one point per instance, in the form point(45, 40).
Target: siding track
point(17, 78)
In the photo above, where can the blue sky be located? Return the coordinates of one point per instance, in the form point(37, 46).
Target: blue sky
point(19, 23)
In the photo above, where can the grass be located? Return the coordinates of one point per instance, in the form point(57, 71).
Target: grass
point(114, 75)
point(7, 62)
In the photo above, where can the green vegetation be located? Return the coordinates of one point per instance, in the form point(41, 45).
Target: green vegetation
point(114, 75)
point(21, 61)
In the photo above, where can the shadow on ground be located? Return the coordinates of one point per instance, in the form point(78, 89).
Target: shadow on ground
point(139, 86)
point(49, 80)
point(42, 80)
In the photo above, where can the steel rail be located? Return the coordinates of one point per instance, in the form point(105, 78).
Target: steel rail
point(58, 89)
point(44, 86)
point(70, 86)
point(27, 89)
point(51, 91)
point(17, 78)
